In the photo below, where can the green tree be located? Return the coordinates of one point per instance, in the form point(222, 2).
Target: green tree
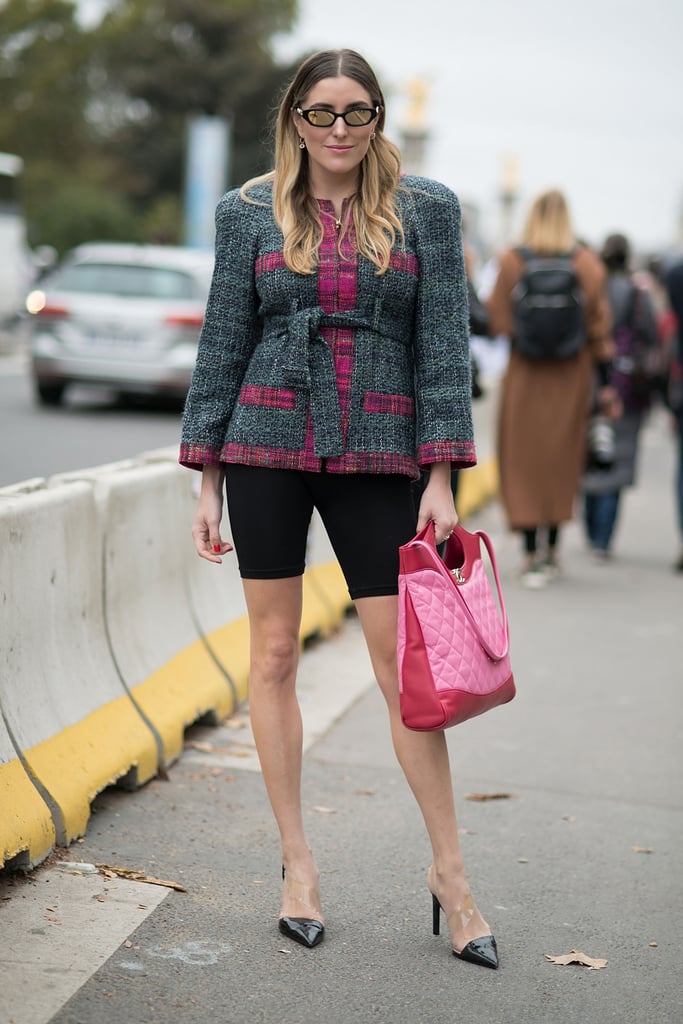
point(46, 81)
point(165, 61)
point(100, 113)
point(43, 80)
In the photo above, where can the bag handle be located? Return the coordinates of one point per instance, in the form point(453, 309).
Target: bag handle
point(429, 544)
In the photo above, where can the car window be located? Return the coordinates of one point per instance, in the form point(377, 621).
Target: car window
point(129, 280)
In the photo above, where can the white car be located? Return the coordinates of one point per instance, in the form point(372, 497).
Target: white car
point(119, 316)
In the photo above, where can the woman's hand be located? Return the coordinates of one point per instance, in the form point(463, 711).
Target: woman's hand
point(436, 504)
point(206, 528)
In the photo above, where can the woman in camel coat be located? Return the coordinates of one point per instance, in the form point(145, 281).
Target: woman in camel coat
point(545, 404)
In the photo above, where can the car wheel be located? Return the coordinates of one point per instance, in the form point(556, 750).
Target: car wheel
point(49, 394)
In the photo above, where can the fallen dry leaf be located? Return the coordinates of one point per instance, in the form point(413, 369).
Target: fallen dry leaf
point(235, 722)
point(653, 944)
point(128, 944)
point(365, 792)
point(577, 957)
point(325, 810)
point(467, 832)
point(113, 871)
point(488, 796)
point(643, 849)
point(206, 748)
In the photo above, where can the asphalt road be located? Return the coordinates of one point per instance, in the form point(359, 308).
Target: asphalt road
point(583, 853)
point(89, 430)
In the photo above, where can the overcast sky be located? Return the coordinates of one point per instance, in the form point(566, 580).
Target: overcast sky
point(587, 96)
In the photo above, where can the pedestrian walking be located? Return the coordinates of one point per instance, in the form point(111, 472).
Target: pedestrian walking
point(333, 365)
point(637, 349)
point(549, 299)
point(674, 285)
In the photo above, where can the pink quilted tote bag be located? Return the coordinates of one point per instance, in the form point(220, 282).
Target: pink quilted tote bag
point(453, 641)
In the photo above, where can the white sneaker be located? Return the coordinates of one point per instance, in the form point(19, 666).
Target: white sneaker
point(533, 578)
point(551, 569)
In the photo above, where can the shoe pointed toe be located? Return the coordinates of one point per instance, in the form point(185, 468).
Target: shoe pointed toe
point(483, 952)
point(304, 930)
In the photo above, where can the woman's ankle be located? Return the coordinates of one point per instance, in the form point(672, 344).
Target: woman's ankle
point(299, 858)
point(444, 871)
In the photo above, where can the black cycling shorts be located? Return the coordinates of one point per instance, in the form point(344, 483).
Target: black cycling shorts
point(367, 517)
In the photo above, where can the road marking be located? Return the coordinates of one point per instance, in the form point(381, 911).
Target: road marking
point(60, 924)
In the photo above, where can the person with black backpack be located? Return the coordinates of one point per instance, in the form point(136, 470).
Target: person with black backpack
point(550, 300)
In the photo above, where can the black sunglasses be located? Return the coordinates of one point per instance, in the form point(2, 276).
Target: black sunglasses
point(321, 118)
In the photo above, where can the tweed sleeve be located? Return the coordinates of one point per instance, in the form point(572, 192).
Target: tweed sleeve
point(443, 385)
point(228, 337)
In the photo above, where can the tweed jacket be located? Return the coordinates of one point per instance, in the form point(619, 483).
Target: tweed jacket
point(270, 387)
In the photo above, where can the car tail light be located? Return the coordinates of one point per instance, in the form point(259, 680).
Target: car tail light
point(38, 304)
point(185, 320)
point(53, 312)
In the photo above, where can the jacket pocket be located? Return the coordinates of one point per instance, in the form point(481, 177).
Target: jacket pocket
point(397, 405)
point(267, 397)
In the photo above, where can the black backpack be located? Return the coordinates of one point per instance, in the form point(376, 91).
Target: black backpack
point(548, 308)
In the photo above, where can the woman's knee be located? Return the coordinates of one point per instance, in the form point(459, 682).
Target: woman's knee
point(274, 657)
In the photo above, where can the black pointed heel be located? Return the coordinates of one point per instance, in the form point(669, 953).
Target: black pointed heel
point(482, 951)
point(307, 931)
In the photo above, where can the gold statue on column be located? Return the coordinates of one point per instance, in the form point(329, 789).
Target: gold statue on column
point(418, 91)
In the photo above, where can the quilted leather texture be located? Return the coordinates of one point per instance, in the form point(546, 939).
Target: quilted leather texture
point(456, 658)
point(445, 675)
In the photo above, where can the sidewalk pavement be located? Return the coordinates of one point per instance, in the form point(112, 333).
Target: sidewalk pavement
point(581, 849)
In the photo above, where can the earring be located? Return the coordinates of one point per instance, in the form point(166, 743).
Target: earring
point(302, 144)
point(373, 136)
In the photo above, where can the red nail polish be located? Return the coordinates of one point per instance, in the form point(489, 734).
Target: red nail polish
point(216, 548)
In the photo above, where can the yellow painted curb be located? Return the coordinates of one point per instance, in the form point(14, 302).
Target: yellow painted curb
point(318, 617)
point(26, 825)
point(230, 645)
point(80, 761)
point(187, 687)
point(329, 580)
point(476, 486)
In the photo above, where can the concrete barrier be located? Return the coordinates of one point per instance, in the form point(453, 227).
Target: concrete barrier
point(62, 700)
point(116, 637)
point(156, 643)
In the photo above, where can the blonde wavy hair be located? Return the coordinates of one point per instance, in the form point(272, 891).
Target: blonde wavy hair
point(373, 206)
point(548, 227)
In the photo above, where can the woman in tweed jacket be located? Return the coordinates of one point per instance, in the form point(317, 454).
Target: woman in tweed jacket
point(333, 367)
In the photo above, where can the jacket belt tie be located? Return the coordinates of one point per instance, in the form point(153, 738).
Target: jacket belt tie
point(310, 367)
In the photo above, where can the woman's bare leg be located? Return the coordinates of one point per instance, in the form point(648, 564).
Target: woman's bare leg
point(274, 608)
point(423, 757)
